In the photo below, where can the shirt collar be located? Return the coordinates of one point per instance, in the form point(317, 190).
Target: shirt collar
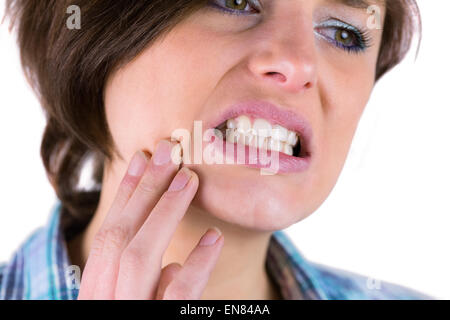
point(40, 267)
point(294, 275)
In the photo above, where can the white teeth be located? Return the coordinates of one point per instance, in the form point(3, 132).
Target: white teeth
point(279, 133)
point(253, 141)
point(231, 124)
point(287, 148)
point(243, 138)
point(262, 127)
point(292, 138)
point(274, 144)
point(261, 134)
point(232, 136)
point(243, 124)
point(262, 142)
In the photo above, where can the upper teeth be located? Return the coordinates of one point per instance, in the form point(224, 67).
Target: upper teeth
point(261, 134)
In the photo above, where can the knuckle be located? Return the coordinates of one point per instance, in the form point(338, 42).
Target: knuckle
point(172, 203)
point(169, 196)
point(111, 238)
point(97, 244)
point(166, 214)
point(128, 185)
point(132, 258)
point(146, 186)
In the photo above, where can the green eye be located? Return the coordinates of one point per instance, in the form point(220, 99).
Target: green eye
point(236, 7)
point(236, 4)
point(344, 37)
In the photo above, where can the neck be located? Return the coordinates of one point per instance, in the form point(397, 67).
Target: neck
point(240, 271)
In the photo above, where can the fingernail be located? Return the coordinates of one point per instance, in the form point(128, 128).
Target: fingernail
point(162, 154)
point(181, 179)
point(210, 237)
point(137, 164)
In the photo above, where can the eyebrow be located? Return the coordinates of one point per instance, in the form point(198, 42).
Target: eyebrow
point(359, 4)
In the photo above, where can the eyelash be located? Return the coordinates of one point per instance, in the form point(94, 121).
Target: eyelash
point(362, 37)
point(251, 4)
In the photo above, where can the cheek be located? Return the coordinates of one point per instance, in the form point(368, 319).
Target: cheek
point(168, 85)
point(131, 113)
point(161, 90)
point(343, 109)
point(344, 90)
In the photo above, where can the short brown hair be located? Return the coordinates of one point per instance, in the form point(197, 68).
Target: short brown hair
point(68, 69)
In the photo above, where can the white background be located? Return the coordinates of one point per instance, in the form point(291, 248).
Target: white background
point(389, 214)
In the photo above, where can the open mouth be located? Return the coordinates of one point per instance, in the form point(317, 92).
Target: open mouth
point(263, 135)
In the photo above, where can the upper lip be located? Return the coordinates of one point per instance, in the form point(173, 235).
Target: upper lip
point(288, 118)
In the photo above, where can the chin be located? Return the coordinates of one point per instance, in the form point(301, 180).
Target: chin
point(242, 196)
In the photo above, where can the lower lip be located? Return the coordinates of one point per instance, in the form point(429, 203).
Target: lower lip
point(252, 158)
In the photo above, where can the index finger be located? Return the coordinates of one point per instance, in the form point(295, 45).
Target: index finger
point(129, 182)
point(136, 168)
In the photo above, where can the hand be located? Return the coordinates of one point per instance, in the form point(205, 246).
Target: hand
point(126, 254)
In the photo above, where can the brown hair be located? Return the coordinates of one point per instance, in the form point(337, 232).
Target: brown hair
point(67, 69)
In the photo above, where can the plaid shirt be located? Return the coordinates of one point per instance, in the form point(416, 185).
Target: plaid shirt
point(40, 269)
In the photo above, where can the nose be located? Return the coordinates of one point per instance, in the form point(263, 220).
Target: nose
point(285, 56)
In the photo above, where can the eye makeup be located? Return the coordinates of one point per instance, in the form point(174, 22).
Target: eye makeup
point(340, 34)
point(252, 5)
point(343, 35)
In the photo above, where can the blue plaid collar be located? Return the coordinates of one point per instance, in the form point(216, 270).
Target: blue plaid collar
point(40, 269)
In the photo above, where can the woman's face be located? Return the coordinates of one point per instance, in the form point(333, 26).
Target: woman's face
point(313, 60)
